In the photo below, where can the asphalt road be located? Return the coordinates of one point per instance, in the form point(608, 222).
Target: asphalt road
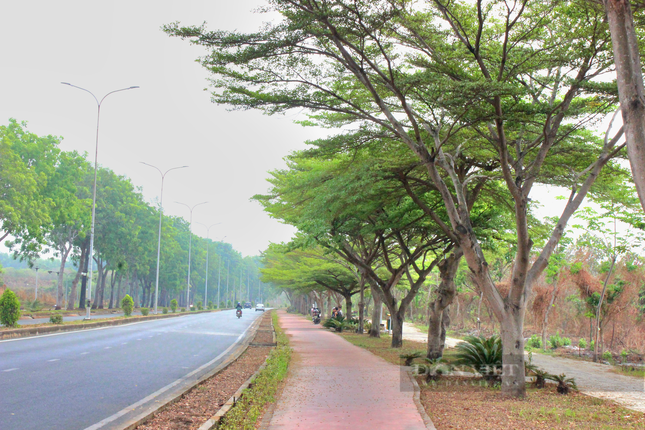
point(75, 380)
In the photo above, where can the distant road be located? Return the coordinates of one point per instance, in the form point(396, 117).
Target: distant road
point(73, 380)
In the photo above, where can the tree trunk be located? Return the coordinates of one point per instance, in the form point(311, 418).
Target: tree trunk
point(445, 295)
point(630, 86)
point(361, 306)
point(545, 323)
point(61, 274)
point(598, 309)
point(397, 330)
point(72, 294)
point(513, 376)
point(375, 330)
point(348, 306)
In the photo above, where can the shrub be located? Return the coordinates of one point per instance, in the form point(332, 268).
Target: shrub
point(145, 311)
point(173, 305)
point(9, 309)
point(556, 341)
point(56, 319)
point(367, 325)
point(607, 356)
point(540, 375)
point(127, 304)
point(482, 355)
point(566, 341)
point(210, 304)
point(192, 308)
point(200, 306)
point(164, 311)
point(582, 343)
point(33, 306)
point(534, 342)
point(182, 310)
point(592, 345)
point(623, 356)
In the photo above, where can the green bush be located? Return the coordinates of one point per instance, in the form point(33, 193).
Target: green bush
point(164, 311)
point(410, 357)
point(145, 311)
point(592, 345)
point(566, 341)
point(564, 384)
point(210, 305)
point(182, 310)
point(200, 306)
point(556, 341)
point(534, 342)
point(582, 343)
point(623, 356)
point(173, 305)
point(192, 308)
point(607, 356)
point(482, 355)
point(127, 304)
point(9, 309)
point(56, 319)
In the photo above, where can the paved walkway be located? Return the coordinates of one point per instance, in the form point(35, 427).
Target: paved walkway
point(593, 379)
point(335, 385)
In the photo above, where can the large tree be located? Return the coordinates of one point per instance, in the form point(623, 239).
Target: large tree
point(522, 75)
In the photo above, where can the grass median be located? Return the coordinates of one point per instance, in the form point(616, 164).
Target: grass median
point(253, 403)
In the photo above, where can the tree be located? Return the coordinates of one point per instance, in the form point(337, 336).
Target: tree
point(520, 77)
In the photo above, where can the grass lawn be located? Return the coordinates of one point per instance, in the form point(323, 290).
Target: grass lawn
point(465, 403)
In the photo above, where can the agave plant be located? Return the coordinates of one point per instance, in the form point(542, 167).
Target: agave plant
point(434, 368)
point(483, 355)
point(564, 384)
point(332, 322)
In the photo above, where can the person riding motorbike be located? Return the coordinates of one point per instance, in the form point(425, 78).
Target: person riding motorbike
point(238, 309)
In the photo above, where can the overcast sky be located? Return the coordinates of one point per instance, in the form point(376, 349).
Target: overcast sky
point(169, 121)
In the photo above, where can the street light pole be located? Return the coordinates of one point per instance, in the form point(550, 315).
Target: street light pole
point(208, 229)
point(228, 269)
point(219, 276)
point(36, 295)
point(190, 242)
point(163, 176)
point(96, 158)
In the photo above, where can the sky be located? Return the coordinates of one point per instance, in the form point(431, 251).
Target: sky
point(169, 121)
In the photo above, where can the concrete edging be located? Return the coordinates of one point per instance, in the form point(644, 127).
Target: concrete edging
point(417, 401)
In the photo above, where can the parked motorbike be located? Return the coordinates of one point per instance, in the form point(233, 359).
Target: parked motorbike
point(316, 318)
point(238, 313)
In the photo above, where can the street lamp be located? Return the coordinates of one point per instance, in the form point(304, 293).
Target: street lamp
point(190, 241)
point(208, 229)
point(219, 277)
point(163, 175)
point(96, 156)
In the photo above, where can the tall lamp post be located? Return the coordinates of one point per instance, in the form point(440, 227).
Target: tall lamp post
point(208, 229)
point(190, 242)
point(96, 157)
point(163, 176)
point(219, 277)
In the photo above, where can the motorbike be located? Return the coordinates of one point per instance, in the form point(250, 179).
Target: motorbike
point(316, 318)
point(238, 313)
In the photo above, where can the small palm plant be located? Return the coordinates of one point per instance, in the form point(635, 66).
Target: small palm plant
point(540, 375)
point(564, 384)
point(410, 357)
point(483, 355)
point(434, 368)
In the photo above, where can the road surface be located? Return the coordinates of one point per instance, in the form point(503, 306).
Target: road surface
point(94, 378)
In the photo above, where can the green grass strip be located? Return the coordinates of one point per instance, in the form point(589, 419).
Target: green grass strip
point(262, 392)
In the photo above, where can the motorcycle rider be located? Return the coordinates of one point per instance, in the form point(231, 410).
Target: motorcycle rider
point(239, 307)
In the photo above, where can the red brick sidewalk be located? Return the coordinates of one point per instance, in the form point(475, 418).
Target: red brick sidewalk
point(334, 385)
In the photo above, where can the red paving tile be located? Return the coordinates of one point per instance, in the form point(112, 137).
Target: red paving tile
point(335, 385)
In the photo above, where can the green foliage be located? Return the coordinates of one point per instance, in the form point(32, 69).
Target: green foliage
point(210, 305)
point(576, 267)
point(33, 306)
point(582, 343)
point(200, 305)
point(483, 355)
point(556, 341)
point(540, 375)
point(623, 356)
point(127, 304)
point(592, 345)
point(56, 319)
point(164, 311)
point(9, 309)
point(182, 310)
point(534, 341)
point(145, 311)
point(607, 356)
point(173, 305)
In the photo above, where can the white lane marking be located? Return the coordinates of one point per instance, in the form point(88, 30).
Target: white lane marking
point(10, 370)
point(166, 388)
point(108, 347)
point(83, 353)
point(54, 359)
point(150, 337)
point(138, 339)
point(124, 343)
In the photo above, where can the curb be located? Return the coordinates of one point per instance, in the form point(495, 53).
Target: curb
point(35, 331)
point(215, 419)
point(417, 401)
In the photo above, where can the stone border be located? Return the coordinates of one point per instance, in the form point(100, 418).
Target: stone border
point(59, 328)
point(417, 401)
point(213, 422)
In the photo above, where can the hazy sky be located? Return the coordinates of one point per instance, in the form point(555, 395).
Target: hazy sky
point(169, 121)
